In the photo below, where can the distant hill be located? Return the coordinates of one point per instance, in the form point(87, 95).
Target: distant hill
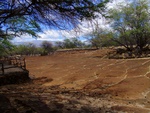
point(35, 42)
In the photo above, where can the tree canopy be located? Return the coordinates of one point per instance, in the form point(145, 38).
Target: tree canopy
point(131, 24)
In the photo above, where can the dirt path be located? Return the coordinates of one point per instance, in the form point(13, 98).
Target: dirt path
point(122, 84)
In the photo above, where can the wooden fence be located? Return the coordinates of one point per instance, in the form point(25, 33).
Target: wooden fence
point(12, 62)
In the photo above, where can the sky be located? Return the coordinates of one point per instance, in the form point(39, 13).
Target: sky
point(59, 35)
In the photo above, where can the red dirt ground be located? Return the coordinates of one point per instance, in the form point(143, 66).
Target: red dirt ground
point(124, 82)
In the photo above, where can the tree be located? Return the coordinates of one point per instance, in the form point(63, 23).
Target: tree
point(20, 49)
point(59, 44)
point(31, 48)
point(68, 43)
point(99, 37)
point(47, 47)
point(77, 43)
point(131, 24)
point(5, 47)
point(72, 43)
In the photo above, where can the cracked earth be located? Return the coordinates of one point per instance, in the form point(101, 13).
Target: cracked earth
point(84, 82)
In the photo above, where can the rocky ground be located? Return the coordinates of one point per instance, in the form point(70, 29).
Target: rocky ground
point(81, 82)
point(29, 98)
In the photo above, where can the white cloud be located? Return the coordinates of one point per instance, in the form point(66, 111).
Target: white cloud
point(116, 3)
point(23, 38)
point(50, 35)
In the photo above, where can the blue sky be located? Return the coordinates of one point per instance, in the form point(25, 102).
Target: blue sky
point(59, 35)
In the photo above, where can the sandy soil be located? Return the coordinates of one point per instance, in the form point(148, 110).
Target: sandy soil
point(124, 84)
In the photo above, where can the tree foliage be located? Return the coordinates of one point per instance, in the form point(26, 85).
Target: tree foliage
point(47, 47)
point(100, 37)
point(70, 43)
point(131, 24)
point(5, 47)
point(26, 49)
